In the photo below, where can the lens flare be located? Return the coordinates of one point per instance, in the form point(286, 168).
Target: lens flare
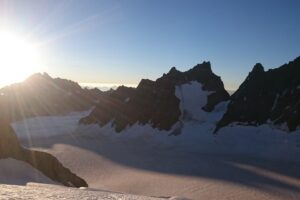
point(18, 58)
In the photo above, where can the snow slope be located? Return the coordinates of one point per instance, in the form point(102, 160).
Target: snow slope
point(48, 126)
point(192, 99)
point(241, 162)
point(45, 191)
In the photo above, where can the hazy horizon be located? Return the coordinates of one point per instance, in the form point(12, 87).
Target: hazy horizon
point(101, 86)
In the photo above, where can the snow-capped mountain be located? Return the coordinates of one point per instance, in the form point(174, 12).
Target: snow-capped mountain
point(157, 139)
point(156, 102)
point(187, 160)
point(264, 97)
point(271, 96)
point(42, 95)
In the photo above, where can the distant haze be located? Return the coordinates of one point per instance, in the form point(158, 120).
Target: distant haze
point(108, 86)
point(105, 86)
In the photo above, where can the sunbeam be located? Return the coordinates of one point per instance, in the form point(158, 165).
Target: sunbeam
point(18, 58)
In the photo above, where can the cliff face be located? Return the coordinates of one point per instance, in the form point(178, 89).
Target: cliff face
point(272, 95)
point(154, 102)
point(44, 162)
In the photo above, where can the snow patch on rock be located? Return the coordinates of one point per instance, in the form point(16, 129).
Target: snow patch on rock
point(192, 99)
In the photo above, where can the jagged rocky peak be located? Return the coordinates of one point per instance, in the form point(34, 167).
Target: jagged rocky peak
point(264, 96)
point(144, 83)
point(38, 77)
point(173, 70)
point(200, 70)
point(205, 66)
point(257, 72)
point(258, 68)
point(154, 102)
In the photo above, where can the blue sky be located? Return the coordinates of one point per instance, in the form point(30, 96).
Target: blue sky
point(123, 41)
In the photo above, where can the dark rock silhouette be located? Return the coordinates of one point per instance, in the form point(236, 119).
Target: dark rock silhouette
point(272, 95)
point(155, 102)
point(44, 162)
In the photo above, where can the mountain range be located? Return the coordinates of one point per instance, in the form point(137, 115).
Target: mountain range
point(198, 95)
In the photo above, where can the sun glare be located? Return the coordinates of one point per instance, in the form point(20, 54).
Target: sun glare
point(18, 58)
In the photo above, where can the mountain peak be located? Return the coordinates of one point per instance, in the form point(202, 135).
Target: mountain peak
point(155, 102)
point(145, 83)
point(203, 67)
point(173, 70)
point(39, 76)
point(46, 75)
point(258, 68)
point(267, 97)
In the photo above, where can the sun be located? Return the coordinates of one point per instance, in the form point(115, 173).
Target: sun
point(18, 58)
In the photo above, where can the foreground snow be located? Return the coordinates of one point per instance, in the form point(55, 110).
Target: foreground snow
point(240, 162)
point(43, 191)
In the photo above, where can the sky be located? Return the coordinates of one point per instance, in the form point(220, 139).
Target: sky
point(123, 41)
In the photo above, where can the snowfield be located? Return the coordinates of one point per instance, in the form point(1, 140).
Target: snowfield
point(36, 127)
point(240, 162)
point(44, 191)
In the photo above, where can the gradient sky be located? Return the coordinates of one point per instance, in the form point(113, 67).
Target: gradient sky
point(122, 41)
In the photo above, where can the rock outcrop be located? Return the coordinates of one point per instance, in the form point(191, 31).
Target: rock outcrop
point(44, 162)
point(272, 95)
